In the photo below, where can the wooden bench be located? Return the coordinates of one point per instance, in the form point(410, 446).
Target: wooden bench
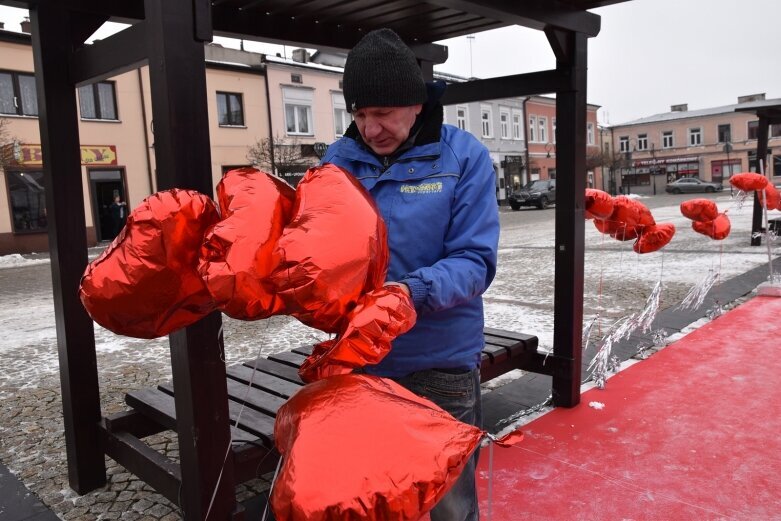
point(274, 379)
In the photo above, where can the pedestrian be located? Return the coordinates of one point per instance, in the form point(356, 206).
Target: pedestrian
point(434, 185)
point(118, 210)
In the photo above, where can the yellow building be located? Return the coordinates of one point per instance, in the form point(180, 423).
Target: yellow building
point(117, 139)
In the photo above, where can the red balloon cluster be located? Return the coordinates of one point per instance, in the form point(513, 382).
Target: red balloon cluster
point(318, 253)
point(751, 181)
point(627, 219)
point(706, 218)
point(397, 454)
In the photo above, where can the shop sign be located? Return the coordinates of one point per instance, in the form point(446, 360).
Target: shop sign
point(666, 161)
point(31, 155)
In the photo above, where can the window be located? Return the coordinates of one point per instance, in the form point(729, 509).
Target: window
point(642, 142)
point(97, 101)
point(17, 94)
point(532, 128)
point(590, 133)
point(230, 109)
point(28, 201)
point(775, 130)
point(695, 136)
point(296, 78)
point(342, 118)
point(298, 111)
point(461, 118)
point(623, 144)
point(485, 119)
point(725, 133)
point(516, 125)
point(753, 127)
point(553, 123)
point(542, 125)
point(504, 124)
point(667, 139)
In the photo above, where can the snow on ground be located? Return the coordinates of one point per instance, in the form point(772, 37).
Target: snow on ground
point(15, 260)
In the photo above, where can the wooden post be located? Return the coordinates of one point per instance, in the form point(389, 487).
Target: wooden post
point(756, 218)
point(571, 54)
point(177, 73)
point(58, 119)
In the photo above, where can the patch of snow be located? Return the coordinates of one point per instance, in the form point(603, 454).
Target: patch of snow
point(596, 405)
point(15, 260)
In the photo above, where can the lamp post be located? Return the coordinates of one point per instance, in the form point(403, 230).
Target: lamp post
point(628, 157)
point(727, 150)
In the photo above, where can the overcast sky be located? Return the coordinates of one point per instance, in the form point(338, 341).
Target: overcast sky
point(650, 54)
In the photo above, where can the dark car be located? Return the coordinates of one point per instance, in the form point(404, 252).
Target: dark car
point(539, 193)
point(688, 185)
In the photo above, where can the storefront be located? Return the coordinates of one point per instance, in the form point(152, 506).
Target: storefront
point(650, 176)
point(513, 173)
point(26, 196)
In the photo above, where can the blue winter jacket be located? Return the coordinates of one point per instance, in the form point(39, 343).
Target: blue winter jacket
point(438, 200)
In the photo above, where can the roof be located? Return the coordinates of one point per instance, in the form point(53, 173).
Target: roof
point(750, 106)
point(339, 24)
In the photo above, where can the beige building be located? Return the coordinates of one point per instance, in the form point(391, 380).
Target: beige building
point(117, 139)
point(540, 115)
point(711, 144)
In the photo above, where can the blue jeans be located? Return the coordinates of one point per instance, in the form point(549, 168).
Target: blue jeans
point(458, 394)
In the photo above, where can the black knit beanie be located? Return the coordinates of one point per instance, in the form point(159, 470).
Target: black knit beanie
point(381, 71)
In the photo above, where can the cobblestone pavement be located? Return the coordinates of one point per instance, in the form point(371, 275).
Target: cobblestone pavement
point(32, 445)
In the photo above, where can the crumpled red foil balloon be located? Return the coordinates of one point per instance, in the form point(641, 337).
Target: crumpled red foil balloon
point(748, 181)
point(717, 229)
point(633, 230)
point(362, 447)
point(771, 198)
point(380, 316)
point(654, 238)
point(146, 283)
point(239, 252)
point(625, 213)
point(599, 204)
point(333, 251)
point(702, 210)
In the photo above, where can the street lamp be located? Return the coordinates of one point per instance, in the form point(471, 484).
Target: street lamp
point(628, 157)
point(727, 150)
point(548, 148)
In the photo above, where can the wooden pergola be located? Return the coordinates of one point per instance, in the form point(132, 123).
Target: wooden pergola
point(169, 36)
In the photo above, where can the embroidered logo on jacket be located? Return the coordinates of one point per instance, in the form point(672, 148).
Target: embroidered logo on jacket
point(425, 188)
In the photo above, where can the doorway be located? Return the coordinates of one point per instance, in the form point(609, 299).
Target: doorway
point(105, 185)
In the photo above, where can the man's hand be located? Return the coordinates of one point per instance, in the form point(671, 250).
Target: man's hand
point(401, 285)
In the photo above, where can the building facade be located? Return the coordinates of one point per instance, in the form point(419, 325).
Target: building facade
point(711, 144)
point(540, 116)
point(116, 133)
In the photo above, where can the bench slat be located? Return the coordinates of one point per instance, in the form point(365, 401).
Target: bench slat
point(267, 382)
point(288, 357)
point(284, 371)
point(239, 392)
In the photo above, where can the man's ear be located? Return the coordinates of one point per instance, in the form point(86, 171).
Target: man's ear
point(418, 109)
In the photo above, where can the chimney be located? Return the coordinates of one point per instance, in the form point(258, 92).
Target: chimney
point(683, 107)
point(2, 25)
point(300, 55)
point(25, 25)
point(751, 97)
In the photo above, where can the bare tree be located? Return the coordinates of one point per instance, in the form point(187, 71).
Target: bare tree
point(6, 144)
point(278, 155)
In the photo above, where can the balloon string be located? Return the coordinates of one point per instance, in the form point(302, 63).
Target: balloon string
point(490, 480)
point(238, 419)
point(271, 489)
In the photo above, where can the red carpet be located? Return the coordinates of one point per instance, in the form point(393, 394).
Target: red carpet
point(692, 433)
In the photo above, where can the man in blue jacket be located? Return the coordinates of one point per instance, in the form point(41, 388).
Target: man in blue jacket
point(435, 187)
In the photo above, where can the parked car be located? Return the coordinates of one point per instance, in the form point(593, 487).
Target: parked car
point(540, 193)
point(687, 185)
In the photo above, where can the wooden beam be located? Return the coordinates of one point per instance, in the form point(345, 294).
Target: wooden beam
point(542, 82)
point(120, 52)
point(115, 9)
point(571, 107)
point(763, 131)
point(58, 122)
point(536, 14)
point(182, 150)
